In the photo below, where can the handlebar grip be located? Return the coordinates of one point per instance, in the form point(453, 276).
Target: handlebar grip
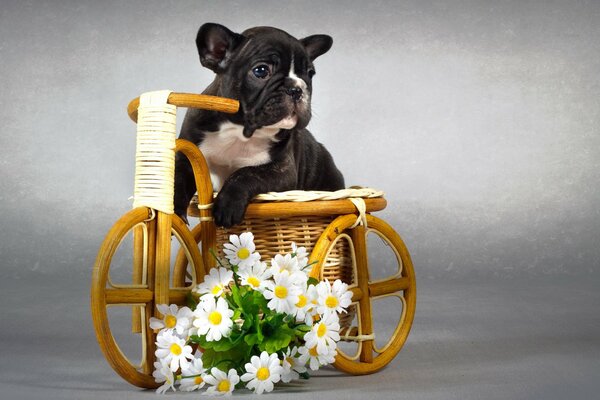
point(191, 100)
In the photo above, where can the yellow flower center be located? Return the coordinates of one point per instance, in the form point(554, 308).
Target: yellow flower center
point(216, 289)
point(254, 281)
point(215, 318)
point(331, 302)
point(224, 386)
point(290, 360)
point(263, 373)
point(281, 292)
point(170, 321)
point(175, 349)
point(313, 351)
point(301, 301)
point(198, 380)
point(321, 330)
point(243, 253)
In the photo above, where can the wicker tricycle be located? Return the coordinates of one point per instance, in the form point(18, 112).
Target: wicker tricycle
point(333, 226)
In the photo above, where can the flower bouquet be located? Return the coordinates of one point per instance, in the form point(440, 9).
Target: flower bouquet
point(249, 324)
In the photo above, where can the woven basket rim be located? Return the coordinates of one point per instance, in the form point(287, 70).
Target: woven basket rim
point(315, 195)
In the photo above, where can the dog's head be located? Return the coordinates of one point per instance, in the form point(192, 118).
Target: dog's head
point(266, 69)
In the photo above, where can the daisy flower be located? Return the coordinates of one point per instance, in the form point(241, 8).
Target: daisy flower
point(240, 251)
point(174, 319)
point(291, 365)
point(172, 350)
point(300, 254)
point(162, 373)
point(283, 293)
point(315, 359)
point(262, 372)
point(213, 318)
point(220, 382)
point(333, 298)
point(324, 334)
point(255, 276)
point(287, 263)
point(215, 282)
point(195, 372)
point(305, 308)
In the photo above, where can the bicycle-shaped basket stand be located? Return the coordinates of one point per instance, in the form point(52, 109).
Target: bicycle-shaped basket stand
point(332, 226)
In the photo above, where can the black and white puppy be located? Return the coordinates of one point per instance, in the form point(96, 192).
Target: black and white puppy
point(265, 146)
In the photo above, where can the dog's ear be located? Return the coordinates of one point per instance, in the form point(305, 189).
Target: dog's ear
point(316, 45)
point(215, 44)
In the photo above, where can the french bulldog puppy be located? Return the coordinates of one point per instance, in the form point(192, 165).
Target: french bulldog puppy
point(265, 146)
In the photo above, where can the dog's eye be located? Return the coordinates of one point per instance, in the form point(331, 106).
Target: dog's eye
point(261, 71)
point(311, 73)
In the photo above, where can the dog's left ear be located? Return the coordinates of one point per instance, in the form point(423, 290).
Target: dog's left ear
point(316, 45)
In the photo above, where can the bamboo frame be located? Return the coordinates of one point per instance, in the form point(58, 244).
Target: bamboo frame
point(152, 232)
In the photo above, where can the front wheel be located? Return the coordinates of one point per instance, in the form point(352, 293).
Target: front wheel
point(140, 295)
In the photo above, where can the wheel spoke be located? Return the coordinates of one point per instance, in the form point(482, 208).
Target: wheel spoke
point(388, 286)
point(129, 296)
point(358, 235)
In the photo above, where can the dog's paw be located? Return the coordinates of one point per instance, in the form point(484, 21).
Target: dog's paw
point(229, 210)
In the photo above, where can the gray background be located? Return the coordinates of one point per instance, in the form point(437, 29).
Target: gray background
point(479, 119)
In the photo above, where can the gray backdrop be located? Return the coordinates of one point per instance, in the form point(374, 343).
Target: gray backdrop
point(479, 119)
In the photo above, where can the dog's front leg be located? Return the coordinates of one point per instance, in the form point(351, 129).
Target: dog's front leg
point(245, 183)
point(185, 185)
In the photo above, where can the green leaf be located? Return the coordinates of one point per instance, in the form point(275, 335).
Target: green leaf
point(248, 322)
point(236, 296)
point(190, 300)
point(259, 332)
point(279, 339)
point(312, 281)
point(226, 359)
point(259, 300)
point(304, 375)
point(251, 339)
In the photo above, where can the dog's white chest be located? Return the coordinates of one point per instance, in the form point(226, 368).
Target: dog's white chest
point(227, 150)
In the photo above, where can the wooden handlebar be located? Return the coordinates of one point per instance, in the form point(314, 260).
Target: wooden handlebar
point(202, 101)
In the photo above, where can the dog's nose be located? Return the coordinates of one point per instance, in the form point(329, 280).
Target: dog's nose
point(295, 92)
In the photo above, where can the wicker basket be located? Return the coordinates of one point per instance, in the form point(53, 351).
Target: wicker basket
point(274, 235)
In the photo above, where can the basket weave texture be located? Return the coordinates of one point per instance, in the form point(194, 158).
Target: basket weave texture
point(275, 235)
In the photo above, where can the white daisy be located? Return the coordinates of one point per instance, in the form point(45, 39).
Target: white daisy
point(333, 298)
point(213, 319)
point(316, 360)
point(215, 282)
point(162, 373)
point(172, 350)
point(291, 365)
point(174, 319)
point(284, 263)
point(240, 251)
point(262, 372)
point(301, 254)
point(195, 372)
point(255, 276)
point(282, 292)
point(324, 333)
point(305, 308)
point(220, 382)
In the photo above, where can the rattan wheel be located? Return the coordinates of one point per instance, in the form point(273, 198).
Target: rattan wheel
point(369, 358)
point(140, 294)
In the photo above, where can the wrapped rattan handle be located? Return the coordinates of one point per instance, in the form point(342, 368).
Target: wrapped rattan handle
point(191, 100)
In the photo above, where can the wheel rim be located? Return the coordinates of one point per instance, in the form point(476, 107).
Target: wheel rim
point(370, 357)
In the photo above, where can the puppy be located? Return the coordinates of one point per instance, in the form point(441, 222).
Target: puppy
point(265, 146)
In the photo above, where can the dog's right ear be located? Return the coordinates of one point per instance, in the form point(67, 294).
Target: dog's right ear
point(215, 44)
